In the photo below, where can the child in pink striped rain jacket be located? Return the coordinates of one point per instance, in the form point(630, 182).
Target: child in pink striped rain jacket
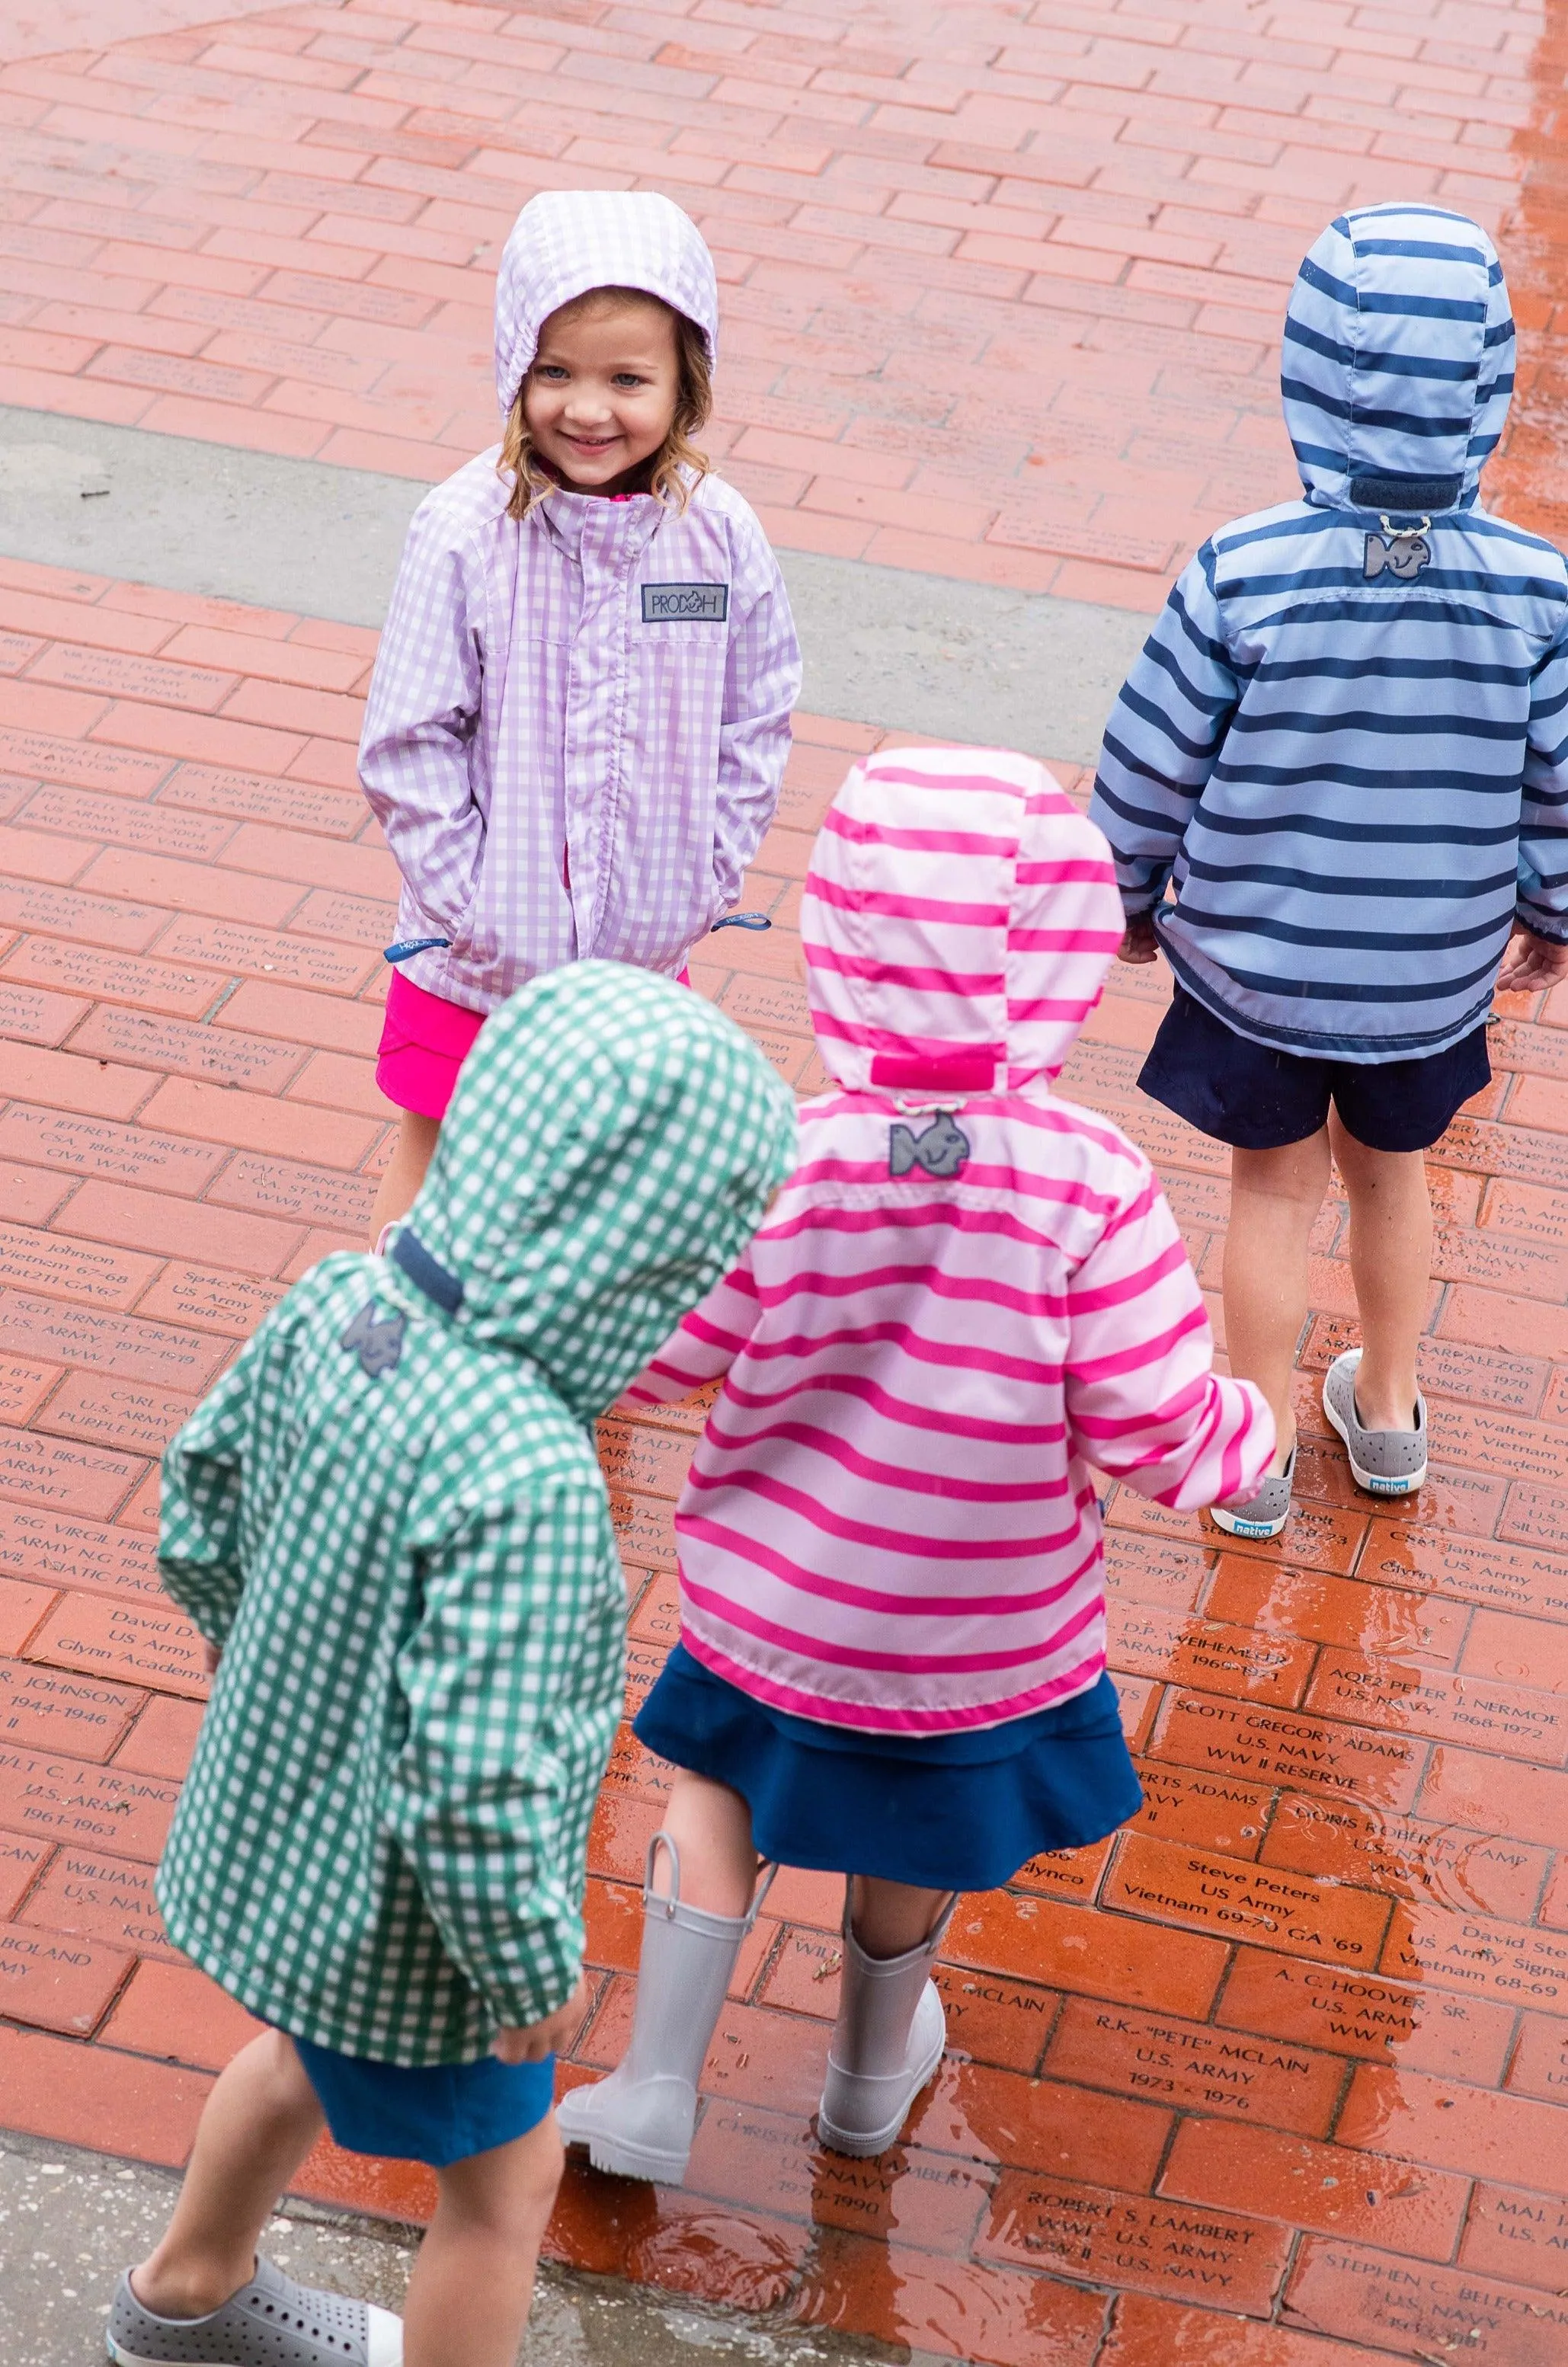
point(893, 1656)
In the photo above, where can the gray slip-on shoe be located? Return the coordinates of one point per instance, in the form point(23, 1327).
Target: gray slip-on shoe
point(271, 2322)
point(1263, 1515)
point(1383, 1462)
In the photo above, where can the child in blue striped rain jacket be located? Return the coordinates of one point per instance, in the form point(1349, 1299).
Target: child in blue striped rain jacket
point(1336, 783)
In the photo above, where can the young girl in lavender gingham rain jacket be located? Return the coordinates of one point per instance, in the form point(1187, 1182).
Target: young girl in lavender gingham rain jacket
point(892, 1609)
point(580, 715)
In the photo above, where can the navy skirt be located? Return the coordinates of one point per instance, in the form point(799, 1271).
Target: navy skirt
point(941, 1812)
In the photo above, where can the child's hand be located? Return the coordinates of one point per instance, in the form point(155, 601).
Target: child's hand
point(1140, 944)
point(1532, 962)
point(531, 2041)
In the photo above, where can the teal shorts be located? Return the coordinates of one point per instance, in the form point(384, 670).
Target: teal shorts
point(436, 2113)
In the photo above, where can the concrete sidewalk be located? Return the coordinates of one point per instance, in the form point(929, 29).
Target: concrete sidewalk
point(71, 2220)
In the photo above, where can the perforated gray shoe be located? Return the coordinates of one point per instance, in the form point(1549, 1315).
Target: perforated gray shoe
point(1384, 1462)
point(271, 2322)
point(1263, 1515)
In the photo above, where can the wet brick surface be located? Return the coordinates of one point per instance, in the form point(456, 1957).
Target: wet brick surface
point(1276, 2079)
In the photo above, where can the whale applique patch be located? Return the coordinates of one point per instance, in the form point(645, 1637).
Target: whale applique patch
point(940, 1148)
point(378, 1339)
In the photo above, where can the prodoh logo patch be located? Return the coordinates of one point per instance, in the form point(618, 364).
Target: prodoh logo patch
point(685, 604)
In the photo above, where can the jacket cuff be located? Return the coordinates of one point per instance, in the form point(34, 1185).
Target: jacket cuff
point(1554, 934)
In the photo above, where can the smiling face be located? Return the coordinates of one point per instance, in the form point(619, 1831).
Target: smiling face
point(600, 399)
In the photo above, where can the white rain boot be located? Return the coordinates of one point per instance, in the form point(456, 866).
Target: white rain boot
point(888, 2040)
point(638, 2122)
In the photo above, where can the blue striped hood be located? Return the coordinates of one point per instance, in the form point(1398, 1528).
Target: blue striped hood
point(1398, 363)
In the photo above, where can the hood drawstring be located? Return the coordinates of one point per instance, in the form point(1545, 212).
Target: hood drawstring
point(437, 1282)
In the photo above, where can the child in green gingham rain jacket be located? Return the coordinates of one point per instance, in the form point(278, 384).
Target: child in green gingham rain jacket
point(390, 1519)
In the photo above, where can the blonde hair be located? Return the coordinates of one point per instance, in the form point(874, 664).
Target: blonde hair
point(675, 468)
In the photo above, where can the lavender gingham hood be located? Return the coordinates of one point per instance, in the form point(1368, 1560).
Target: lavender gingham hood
point(577, 728)
point(569, 240)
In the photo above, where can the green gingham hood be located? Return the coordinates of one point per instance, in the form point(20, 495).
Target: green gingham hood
point(666, 1127)
point(391, 1519)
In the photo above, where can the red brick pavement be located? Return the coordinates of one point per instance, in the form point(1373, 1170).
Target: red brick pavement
point(1003, 284)
point(1275, 2077)
point(1286, 2054)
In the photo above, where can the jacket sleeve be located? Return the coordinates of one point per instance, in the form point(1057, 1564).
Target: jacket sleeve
point(208, 1495)
point(1164, 736)
point(705, 1344)
point(513, 1690)
point(762, 683)
point(421, 716)
point(1143, 1401)
point(1543, 813)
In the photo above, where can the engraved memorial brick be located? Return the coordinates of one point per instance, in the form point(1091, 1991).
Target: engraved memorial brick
point(1217, 2258)
point(49, 1709)
point(34, 906)
point(1471, 1570)
point(22, 1608)
point(1194, 2067)
point(115, 1413)
point(97, 1896)
point(61, 1551)
point(1287, 1747)
point(1480, 1956)
point(126, 1345)
point(65, 1474)
point(113, 977)
point(1203, 1811)
point(1149, 1641)
point(266, 953)
point(45, 1795)
point(55, 1983)
point(23, 1387)
point(127, 822)
point(1366, 2015)
point(279, 1187)
point(1264, 1905)
point(1516, 1720)
point(635, 1455)
point(98, 1276)
point(215, 1301)
point(1418, 2310)
point(1518, 2235)
point(255, 797)
point(87, 761)
point(86, 1145)
point(222, 1054)
point(1406, 1857)
point(145, 1642)
point(19, 1864)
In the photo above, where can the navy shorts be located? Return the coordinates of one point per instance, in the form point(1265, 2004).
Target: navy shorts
point(436, 2113)
point(1256, 1098)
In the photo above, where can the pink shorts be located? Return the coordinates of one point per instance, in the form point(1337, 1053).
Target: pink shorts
point(424, 1041)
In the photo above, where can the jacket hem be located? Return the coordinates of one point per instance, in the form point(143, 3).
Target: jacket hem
point(1369, 1051)
point(841, 1717)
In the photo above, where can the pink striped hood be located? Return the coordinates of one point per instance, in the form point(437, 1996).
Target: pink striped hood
point(959, 920)
point(968, 1295)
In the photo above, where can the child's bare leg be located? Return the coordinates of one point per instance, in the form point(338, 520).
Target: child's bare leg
point(711, 1826)
point(468, 2298)
point(1275, 1197)
point(1391, 1260)
point(261, 2120)
point(890, 1918)
point(415, 1149)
